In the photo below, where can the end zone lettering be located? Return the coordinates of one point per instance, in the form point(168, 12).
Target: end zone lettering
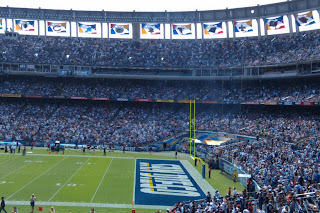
point(160, 182)
point(169, 179)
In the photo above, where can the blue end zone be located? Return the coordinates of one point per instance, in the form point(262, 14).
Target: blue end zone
point(164, 182)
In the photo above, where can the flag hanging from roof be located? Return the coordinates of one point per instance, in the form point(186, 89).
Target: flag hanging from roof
point(243, 26)
point(184, 29)
point(212, 29)
point(0, 24)
point(274, 23)
point(24, 25)
point(87, 28)
point(57, 27)
point(150, 29)
point(304, 19)
point(120, 29)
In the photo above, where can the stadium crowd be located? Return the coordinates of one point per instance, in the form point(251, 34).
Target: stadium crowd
point(237, 91)
point(284, 159)
point(161, 53)
point(91, 123)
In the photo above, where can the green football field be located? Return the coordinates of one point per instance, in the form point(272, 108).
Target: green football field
point(75, 181)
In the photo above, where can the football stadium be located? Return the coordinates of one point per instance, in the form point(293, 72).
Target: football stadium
point(149, 107)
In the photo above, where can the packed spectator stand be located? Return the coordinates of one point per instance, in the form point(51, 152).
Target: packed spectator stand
point(284, 160)
point(161, 53)
point(288, 90)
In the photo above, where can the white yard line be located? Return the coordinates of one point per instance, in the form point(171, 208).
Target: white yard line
point(36, 178)
point(10, 159)
point(134, 183)
point(90, 205)
point(69, 179)
point(18, 169)
point(101, 181)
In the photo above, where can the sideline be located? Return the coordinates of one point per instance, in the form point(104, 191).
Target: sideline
point(134, 182)
point(91, 205)
point(95, 156)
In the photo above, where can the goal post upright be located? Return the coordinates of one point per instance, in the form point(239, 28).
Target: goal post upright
point(190, 124)
point(194, 128)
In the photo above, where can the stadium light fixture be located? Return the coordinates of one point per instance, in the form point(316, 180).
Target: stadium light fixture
point(252, 11)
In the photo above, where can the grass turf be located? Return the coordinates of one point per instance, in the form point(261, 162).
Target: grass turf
point(78, 177)
point(218, 179)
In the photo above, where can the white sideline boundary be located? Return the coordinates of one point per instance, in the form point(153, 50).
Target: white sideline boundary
point(36, 178)
point(134, 182)
point(69, 179)
point(101, 181)
point(203, 184)
point(89, 205)
point(92, 156)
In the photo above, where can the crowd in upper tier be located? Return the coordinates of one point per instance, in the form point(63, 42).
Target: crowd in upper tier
point(296, 90)
point(162, 53)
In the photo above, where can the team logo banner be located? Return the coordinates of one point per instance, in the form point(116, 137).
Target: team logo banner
point(212, 29)
point(163, 182)
point(184, 29)
point(243, 26)
point(274, 23)
point(24, 25)
point(150, 29)
point(87, 28)
point(120, 29)
point(1, 24)
point(304, 19)
point(57, 27)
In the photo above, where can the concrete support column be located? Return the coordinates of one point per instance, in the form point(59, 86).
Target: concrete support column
point(290, 25)
point(45, 28)
point(101, 30)
point(136, 31)
point(70, 28)
point(227, 29)
point(202, 31)
point(77, 29)
point(259, 28)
